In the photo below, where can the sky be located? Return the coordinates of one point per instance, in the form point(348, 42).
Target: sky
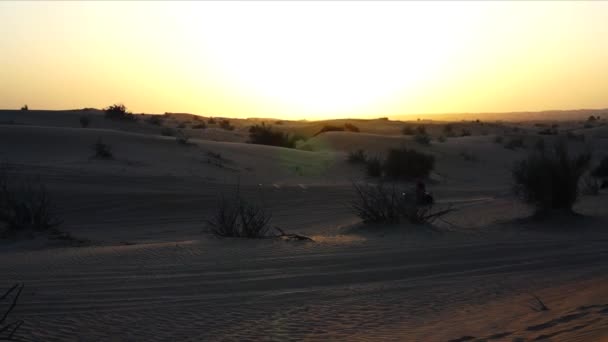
point(305, 59)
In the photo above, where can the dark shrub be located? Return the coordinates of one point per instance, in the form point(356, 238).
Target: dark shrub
point(407, 163)
point(407, 130)
point(422, 139)
point(390, 205)
point(25, 107)
point(25, 205)
point(102, 150)
point(155, 120)
point(85, 121)
point(465, 132)
point(201, 125)
point(225, 124)
point(167, 132)
point(515, 143)
point(266, 135)
point(351, 128)
point(8, 330)
point(239, 218)
point(357, 156)
point(601, 171)
point(373, 167)
point(550, 179)
point(119, 112)
point(211, 121)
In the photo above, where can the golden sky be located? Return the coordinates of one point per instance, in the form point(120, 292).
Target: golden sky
point(305, 59)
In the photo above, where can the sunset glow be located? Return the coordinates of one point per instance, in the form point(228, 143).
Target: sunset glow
point(305, 59)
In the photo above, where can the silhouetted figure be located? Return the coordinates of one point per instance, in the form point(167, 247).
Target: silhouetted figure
point(423, 197)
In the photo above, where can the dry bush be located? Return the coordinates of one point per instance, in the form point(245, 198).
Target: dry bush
point(389, 204)
point(119, 112)
point(515, 143)
point(102, 150)
point(266, 135)
point(237, 217)
point(25, 205)
point(407, 163)
point(357, 157)
point(8, 330)
point(550, 179)
point(25, 107)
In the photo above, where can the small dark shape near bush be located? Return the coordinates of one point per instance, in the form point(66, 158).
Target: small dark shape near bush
point(407, 130)
point(8, 330)
point(350, 127)
point(601, 171)
point(373, 167)
point(201, 125)
point(515, 143)
point(422, 139)
point(102, 150)
point(381, 204)
point(119, 112)
point(592, 118)
point(550, 179)
point(25, 107)
point(266, 135)
point(25, 205)
point(211, 121)
point(239, 218)
point(155, 120)
point(167, 132)
point(225, 124)
point(357, 156)
point(84, 121)
point(407, 163)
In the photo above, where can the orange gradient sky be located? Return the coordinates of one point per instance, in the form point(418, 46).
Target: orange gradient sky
point(305, 59)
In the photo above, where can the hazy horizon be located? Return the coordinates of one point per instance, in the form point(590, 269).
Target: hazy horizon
point(306, 60)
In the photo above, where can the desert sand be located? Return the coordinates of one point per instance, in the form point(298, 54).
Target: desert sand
point(141, 267)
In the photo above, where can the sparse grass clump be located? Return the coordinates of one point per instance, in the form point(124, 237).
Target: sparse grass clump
point(102, 150)
point(119, 112)
point(357, 157)
point(407, 163)
point(25, 205)
point(390, 205)
point(85, 121)
point(266, 135)
point(549, 179)
point(239, 218)
point(25, 107)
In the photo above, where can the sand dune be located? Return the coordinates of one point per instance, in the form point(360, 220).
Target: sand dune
point(149, 272)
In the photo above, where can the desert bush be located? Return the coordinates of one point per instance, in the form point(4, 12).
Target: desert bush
point(225, 124)
point(601, 170)
point(200, 125)
point(407, 163)
point(373, 167)
point(84, 121)
point(8, 330)
point(102, 150)
point(422, 138)
point(266, 135)
point(465, 132)
point(211, 121)
point(441, 139)
point(239, 218)
point(182, 138)
point(390, 205)
point(407, 130)
point(167, 132)
point(155, 120)
point(515, 143)
point(351, 128)
point(25, 107)
point(550, 179)
point(357, 156)
point(25, 205)
point(119, 112)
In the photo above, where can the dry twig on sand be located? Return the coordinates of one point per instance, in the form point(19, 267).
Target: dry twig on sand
point(8, 330)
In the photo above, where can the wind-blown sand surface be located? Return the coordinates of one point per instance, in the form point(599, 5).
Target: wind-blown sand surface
point(149, 272)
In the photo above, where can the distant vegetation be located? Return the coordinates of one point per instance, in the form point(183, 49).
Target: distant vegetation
point(265, 135)
point(348, 127)
point(239, 218)
point(225, 124)
point(549, 179)
point(155, 120)
point(25, 107)
point(119, 112)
